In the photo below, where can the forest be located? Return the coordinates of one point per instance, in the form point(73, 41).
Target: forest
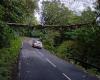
point(74, 45)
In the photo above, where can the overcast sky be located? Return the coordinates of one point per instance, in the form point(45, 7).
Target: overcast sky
point(74, 5)
point(78, 5)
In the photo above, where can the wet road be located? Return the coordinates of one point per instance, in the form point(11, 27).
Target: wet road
point(39, 64)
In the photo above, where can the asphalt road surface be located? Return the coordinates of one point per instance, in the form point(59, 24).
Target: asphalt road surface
point(39, 64)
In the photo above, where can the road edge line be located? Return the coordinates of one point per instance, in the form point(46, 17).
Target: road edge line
point(19, 63)
point(51, 62)
point(66, 76)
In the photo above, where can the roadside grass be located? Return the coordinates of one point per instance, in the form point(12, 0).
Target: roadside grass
point(8, 56)
point(94, 71)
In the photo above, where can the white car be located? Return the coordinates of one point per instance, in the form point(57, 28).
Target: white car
point(37, 44)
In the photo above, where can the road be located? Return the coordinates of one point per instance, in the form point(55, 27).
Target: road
point(39, 64)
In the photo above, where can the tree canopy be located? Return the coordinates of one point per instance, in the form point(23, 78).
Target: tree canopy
point(55, 13)
point(18, 11)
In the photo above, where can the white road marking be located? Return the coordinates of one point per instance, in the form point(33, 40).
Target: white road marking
point(66, 76)
point(19, 67)
point(19, 75)
point(40, 53)
point(51, 62)
point(22, 45)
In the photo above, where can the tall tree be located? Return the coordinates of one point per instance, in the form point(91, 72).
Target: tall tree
point(55, 13)
point(87, 16)
point(18, 10)
point(98, 7)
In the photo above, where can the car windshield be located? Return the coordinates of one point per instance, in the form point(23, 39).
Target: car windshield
point(38, 41)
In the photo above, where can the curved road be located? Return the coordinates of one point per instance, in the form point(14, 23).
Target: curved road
point(39, 64)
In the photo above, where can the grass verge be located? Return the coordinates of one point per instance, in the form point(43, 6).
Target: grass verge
point(8, 57)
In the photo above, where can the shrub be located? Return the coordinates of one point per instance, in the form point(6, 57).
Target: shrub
point(8, 56)
point(49, 40)
point(1, 12)
point(6, 34)
point(48, 44)
point(36, 33)
point(65, 49)
point(87, 45)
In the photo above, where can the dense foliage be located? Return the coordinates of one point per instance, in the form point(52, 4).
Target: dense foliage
point(55, 13)
point(8, 57)
point(82, 43)
point(13, 11)
point(6, 35)
point(86, 44)
point(18, 10)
